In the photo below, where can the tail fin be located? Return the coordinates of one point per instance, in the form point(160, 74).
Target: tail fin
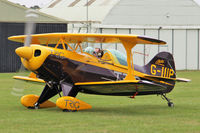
point(161, 65)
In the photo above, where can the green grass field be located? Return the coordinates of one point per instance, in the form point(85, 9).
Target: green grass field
point(109, 114)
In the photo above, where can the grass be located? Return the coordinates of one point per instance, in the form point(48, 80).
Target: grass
point(108, 115)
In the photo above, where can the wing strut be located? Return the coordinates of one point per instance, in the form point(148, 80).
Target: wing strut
point(128, 47)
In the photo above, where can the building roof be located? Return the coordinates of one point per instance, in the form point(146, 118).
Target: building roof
point(11, 12)
point(80, 10)
point(154, 12)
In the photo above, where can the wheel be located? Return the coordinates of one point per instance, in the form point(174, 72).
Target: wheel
point(33, 107)
point(66, 110)
point(170, 104)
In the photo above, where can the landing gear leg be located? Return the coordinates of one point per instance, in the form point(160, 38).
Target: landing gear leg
point(48, 92)
point(170, 104)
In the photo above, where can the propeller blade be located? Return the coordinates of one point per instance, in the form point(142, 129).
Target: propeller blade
point(31, 17)
point(20, 86)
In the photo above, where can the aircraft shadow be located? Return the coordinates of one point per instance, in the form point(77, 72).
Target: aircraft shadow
point(125, 110)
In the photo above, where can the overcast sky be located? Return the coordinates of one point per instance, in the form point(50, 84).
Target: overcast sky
point(198, 1)
point(42, 3)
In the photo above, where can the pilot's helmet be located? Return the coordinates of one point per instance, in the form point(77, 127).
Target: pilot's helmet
point(89, 50)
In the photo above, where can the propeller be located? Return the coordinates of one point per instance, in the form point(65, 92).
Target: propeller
point(25, 52)
point(31, 16)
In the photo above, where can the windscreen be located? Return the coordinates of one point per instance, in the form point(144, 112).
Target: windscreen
point(119, 56)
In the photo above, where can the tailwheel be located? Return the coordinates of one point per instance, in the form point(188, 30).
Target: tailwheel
point(170, 104)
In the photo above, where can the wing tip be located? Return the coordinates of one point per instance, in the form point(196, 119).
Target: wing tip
point(153, 40)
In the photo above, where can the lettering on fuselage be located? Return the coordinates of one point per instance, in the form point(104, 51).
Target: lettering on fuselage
point(160, 62)
point(163, 72)
point(72, 104)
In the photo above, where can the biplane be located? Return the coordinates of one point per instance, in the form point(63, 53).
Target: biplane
point(59, 62)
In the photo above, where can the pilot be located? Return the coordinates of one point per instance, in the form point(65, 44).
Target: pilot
point(98, 52)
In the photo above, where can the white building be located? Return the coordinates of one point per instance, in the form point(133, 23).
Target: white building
point(175, 21)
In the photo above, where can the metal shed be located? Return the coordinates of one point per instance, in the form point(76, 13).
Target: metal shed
point(175, 21)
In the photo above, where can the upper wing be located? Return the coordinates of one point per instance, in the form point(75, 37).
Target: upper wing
point(53, 38)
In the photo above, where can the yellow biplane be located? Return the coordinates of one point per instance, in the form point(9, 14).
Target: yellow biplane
point(58, 61)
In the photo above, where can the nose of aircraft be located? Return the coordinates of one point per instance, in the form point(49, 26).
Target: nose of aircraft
point(24, 52)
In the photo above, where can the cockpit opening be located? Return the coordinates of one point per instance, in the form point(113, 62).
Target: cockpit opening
point(97, 52)
point(109, 55)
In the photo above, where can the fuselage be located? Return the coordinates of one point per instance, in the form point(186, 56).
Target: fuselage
point(56, 65)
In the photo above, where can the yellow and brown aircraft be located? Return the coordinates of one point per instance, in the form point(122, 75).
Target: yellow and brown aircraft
point(58, 60)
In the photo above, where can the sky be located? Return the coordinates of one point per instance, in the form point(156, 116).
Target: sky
point(42, 3)
point(198, 1)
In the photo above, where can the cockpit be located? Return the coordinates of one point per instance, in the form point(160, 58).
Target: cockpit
point(109, 55)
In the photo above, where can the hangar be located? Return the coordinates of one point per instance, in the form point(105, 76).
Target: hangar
point(175, 21)
point(12, 18)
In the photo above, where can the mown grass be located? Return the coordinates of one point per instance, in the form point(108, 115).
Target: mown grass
point(109, 114)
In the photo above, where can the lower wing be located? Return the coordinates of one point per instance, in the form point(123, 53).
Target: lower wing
point(30, 79)
point(124, 87)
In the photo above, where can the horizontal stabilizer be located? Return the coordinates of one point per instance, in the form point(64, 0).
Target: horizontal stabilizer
point(182, 80)
point(158, 79)
point(166, 79)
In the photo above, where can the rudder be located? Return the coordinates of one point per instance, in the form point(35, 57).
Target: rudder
point(161, 65)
